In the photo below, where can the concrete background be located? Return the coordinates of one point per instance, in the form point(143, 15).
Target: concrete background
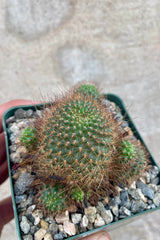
point(48, 45)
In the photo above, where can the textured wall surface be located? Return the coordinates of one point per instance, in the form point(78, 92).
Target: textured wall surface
point(48, 45)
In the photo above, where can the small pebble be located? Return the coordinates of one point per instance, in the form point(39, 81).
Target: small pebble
point(53, 228)
point(37, 215)
point(124, 211)
point(48, 236)
point(33, 229)
point(20, 113)
point(99, 221)
point(156, 199)
point(155, 180)
point(44, 224)
point(10, 120)
point(146, 176)
point(30, 209)
point(153, 186)
point(60, 228)
point(107, 216)
point(146, 190)
point(90, 213)
point(76, 218)
point(138, 206)
point(25, 227)
point(58, 236)
point(20, 198)
point(124, 197)
point(23, 183)
point(28, 237)
point(29, 113)
point(115, 210)
point(39, 235)
point(60, 218)
point(69, 228)
point(153, 171)
point(84, 222)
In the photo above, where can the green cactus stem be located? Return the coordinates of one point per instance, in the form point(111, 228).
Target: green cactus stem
point(53, 198)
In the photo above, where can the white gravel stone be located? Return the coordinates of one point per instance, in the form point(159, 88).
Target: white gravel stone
point(133, 185)
point(37, 214)
point(99, 221)
point(90, 213)
point(60, 218)
point(84, 222)
point(25, 227)
point(39, 235)
point(48, 236)
point(69, 228)
point(76, 218)
point(107, 216)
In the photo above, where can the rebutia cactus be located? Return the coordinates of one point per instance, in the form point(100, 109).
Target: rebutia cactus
point(80, 145)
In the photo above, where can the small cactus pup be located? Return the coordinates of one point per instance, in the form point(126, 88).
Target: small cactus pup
point(132, 160)
point(28, 138)
point(88, 89)
point(53, 198)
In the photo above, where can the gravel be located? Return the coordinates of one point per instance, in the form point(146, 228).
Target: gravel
point(140, 196)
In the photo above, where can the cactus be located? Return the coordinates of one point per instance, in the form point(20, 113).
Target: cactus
point(77, 142)
point(77, 194)
point(132, 160)
point(28, 138)
point(53, 198)
point(88, 89)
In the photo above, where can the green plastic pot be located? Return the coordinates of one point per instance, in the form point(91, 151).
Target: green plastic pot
point(109, 227)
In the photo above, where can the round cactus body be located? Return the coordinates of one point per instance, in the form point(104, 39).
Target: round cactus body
point(53, 198)
point(132, 159)
point(77, 194)
point(28, 138)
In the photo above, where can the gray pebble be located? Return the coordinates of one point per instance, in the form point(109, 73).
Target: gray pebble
point(146, 190)
point(53, 228)
point(23, 183)
point(155, 180)
point(114, 201)
point(124, 197)
point(33, 229)
point(153, 171)
point(156, 199)
point(115, 210)
point(20, 198)
point(124, 211)
point(10, 120)
point(24, 224)
point(29, 113)
point(105, 214)
point(90, 213)
point(20, 113)
point(76, 218)
point(137, 206)
point(59, 236)
point(28, 202)
point(28, 237)
point(30, 209)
